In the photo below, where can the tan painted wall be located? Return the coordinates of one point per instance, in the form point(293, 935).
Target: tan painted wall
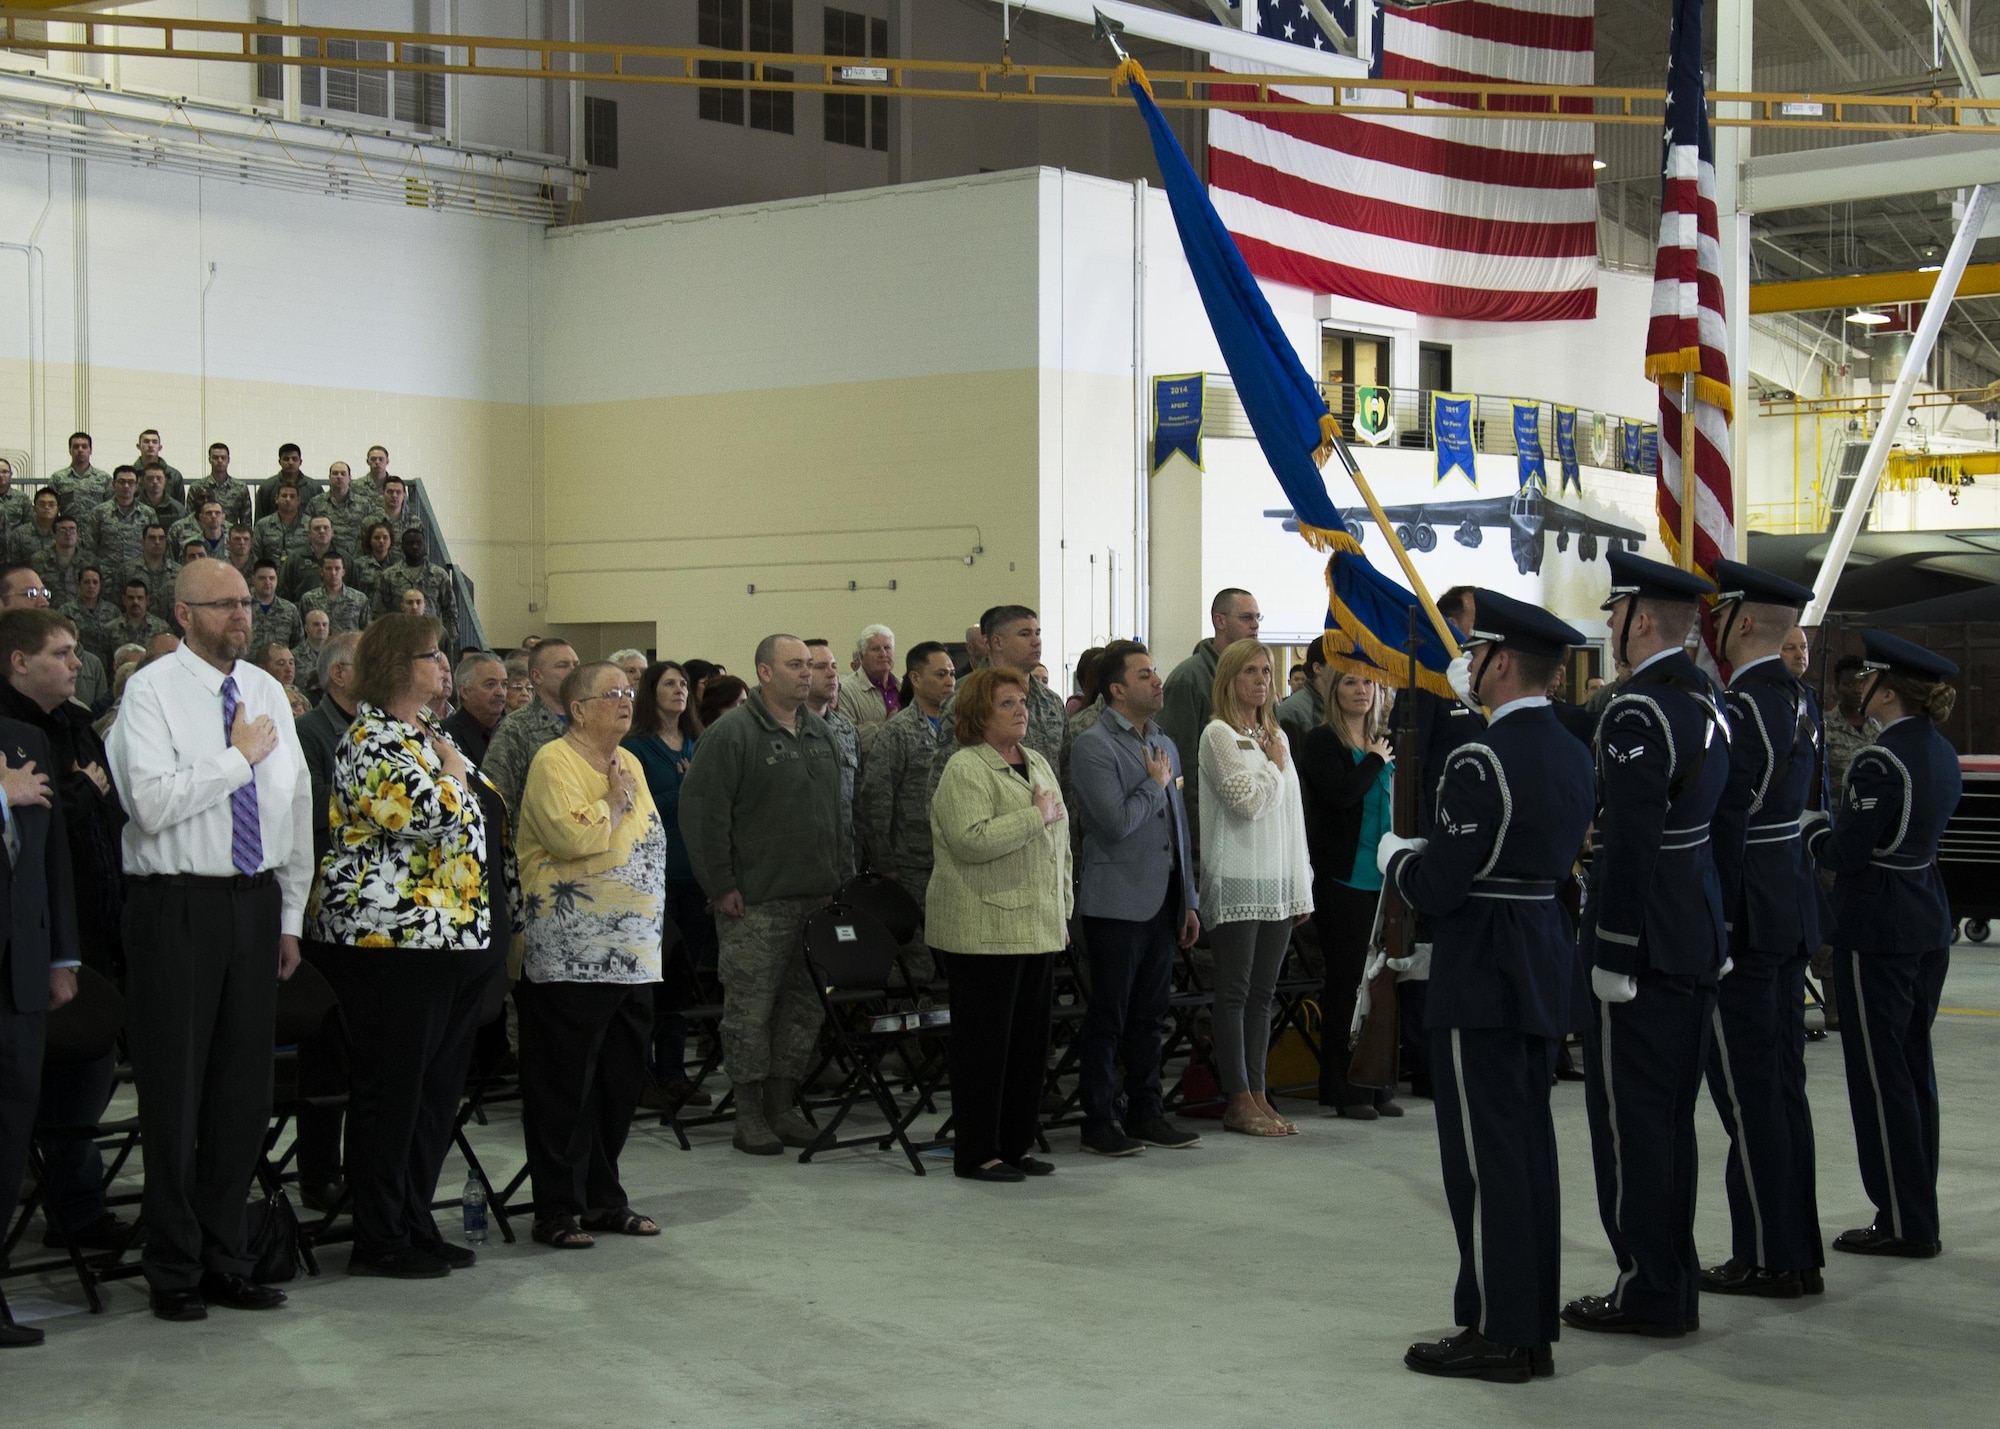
point(670, 508)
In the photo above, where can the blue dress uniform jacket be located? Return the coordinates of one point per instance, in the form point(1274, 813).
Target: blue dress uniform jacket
point(1442, 726)
point(1881, 847)
point(1770, 898)
point(1654, 901)
point(1510, 815)
point(1512, 810)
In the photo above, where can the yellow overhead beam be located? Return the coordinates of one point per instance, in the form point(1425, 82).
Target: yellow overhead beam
point(519, 57)
point(1866, 290)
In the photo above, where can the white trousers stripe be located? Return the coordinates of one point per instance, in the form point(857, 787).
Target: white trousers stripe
point(1742, 1135)
point(1875, 1081)
point(1472, 1162)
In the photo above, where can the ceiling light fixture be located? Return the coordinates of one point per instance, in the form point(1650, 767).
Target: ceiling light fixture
point(1868, 319)
point(1931, 268)
point(1599, 164)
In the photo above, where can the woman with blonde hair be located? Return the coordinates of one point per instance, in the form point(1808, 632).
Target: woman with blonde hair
point(1347, 770)
point(1256, 882)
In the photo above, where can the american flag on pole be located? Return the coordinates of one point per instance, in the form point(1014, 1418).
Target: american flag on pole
point(1464, 218)
point(1688, 333)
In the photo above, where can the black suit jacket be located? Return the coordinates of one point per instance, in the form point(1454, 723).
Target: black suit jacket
point(37, 907)
point(469, 735)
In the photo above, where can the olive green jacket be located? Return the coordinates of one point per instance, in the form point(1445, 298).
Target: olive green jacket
point(761, 807)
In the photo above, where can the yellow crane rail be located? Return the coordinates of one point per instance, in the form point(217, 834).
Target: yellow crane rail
point(569, 61)
point(1864, 404)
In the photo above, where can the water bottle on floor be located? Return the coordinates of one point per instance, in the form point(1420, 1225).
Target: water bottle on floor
point(474, 1204)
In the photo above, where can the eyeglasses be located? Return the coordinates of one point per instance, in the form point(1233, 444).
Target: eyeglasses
point(609, 695)
point(225, 605)
point(429, 655)
point(36, 592)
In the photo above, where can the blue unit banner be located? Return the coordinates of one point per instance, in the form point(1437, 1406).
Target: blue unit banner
point(1632, 453)
point(1572, 473)
point(1177, 417)
point(1451, 433)
point(1528, 463)
point(1649, 450)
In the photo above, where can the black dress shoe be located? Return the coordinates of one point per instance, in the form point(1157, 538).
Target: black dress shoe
point(322, 1196)
point(1000, 1172)
point(1873, 1240)
point(1470, 1355)
point(19, 1337)
point(1812, 1282)
point(1735, 1277)
point(456, 1257)
point(182, 1305)
point(1391, 1107)
point(412, 1264)
point(1595, 1312)
point(1035, 1166)
point(238, 1293)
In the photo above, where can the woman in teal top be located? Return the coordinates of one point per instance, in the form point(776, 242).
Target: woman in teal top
point(663, 734)
point(1347, 775)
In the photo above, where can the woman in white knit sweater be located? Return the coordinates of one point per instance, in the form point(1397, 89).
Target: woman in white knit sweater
point(1256, 881)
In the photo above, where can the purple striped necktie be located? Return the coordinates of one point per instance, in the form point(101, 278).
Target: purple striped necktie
point(246, 835)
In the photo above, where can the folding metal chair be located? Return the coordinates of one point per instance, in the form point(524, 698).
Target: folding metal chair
point(1295, 1007)
point(849, 955)
point(900, 913)
point(306, 1002)
point(704, 1018)
point(1069, 1001)
point(85, 1029)
point(480, 1093)
point(1190, 1000)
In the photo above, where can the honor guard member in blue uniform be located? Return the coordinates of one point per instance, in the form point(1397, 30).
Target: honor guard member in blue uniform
point(1770, 909)
point(1652, 939)
point(1512, 809)
point(1892, 937)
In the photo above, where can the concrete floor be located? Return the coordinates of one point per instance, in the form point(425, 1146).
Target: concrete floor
point(1242, 1283)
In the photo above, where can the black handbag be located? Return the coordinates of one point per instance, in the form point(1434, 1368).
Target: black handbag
point(274, 1239)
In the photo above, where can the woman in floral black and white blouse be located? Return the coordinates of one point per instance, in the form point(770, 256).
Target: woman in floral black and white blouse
point(405, 924)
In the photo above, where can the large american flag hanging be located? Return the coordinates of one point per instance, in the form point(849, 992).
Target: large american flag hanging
point(1464, 218)
point(1688, 332)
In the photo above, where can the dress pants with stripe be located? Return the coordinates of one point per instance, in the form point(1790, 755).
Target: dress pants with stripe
point(1756, 1078)
point(201, 986)
point(1642, 1078)
point(1888, 1002)
point(1498, 1147)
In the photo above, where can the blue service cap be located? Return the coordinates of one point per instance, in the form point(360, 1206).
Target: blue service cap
point(1502, 620)
point(1654, 580)
point(1737, 582)
point(1896, 656)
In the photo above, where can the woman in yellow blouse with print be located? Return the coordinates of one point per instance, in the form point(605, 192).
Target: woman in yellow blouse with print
point(402, 922)
point(593, 858)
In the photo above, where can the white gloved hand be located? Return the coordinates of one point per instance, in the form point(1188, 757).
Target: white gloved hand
point(1416, 967)
point(1459, 673)
point(1810, 819)
point(1613, 987)
point(1377, 960)
point(1386, 850)
point(1728, 967)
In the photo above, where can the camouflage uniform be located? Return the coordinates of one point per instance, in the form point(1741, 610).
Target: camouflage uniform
point(272, 537)
point(115, 538)
point(159, 586)
point(79, 495)
point(770, 1013)
point(92, 625)
point(344, 612)
point(847, 744)
point(305, 655)
point(298, 574)
point(893, 806)
point(167, 511)
point(176, 489)
point(350, 517)
point(17, 509)
point(515, 741)
point(233, 494)
point(1300, 713)
point(408, 521)
point(120, 632)
point(1082, 720)
point(61, 576)
point(279, 623)
point(28, 542)
point(1843, 741)
point(364, 573)
point(440, 599)
point(265, 494)
point(188, 529)
point(1048, 731)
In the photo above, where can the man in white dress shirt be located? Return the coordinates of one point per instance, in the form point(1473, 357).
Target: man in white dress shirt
point(218, 859)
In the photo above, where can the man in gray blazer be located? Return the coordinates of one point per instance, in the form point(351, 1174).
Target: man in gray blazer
point(1136, 894)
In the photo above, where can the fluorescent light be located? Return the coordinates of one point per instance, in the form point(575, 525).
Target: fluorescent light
point(1931, 268)
point(1599, 164)
point(1868, 319)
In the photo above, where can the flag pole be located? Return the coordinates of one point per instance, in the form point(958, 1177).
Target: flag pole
point(1687, 472)
point(1438, 622)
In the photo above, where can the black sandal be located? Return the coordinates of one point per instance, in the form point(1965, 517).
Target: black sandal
point(623, 1221)
point(563, 1233)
